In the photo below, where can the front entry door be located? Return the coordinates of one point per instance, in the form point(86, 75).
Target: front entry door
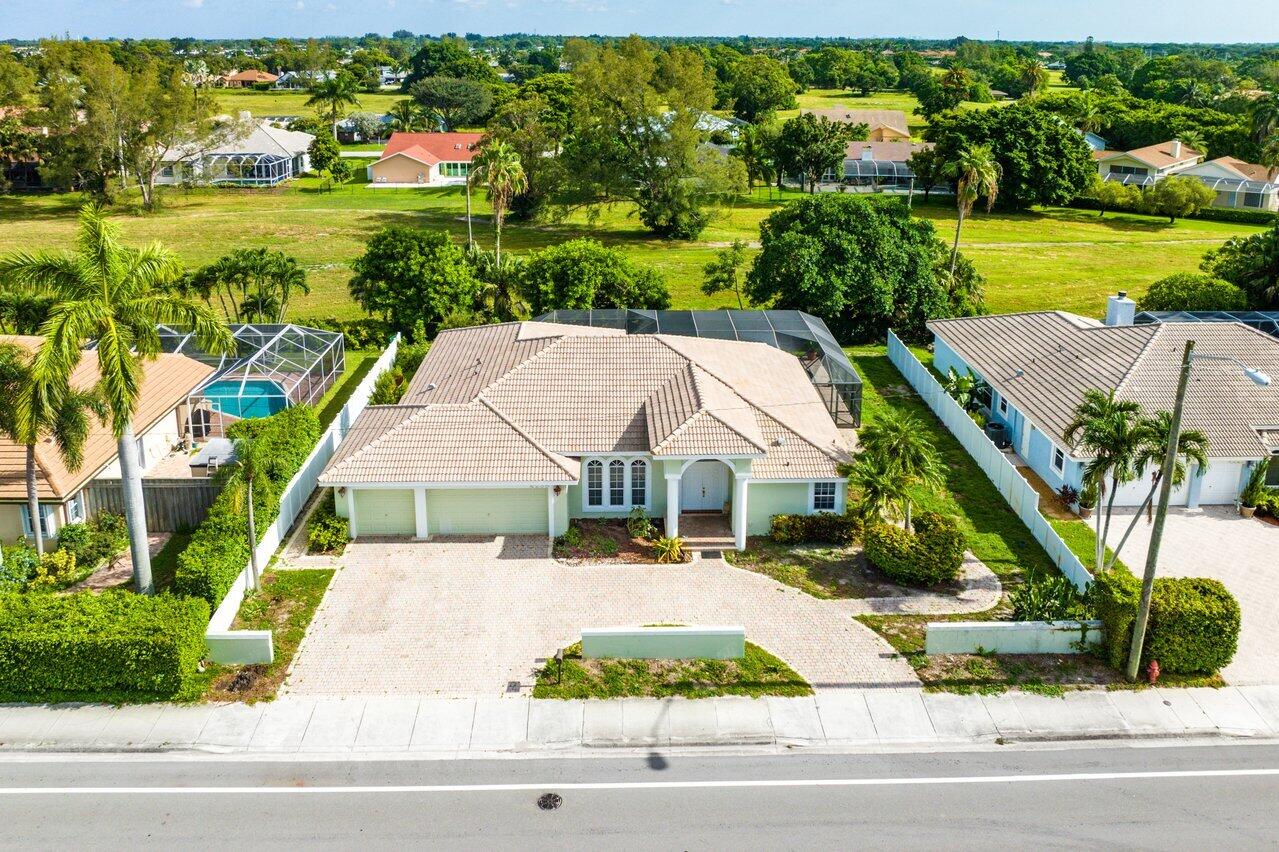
point(704, 486)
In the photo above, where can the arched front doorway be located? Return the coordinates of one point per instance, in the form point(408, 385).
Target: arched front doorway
point(706, 486)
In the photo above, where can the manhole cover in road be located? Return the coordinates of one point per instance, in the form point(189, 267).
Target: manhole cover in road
point(549, 801)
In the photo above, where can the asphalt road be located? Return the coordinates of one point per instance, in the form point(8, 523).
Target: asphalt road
point(1151, 797)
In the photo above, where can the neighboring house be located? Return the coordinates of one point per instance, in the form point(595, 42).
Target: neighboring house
point(1094, 141)
point(347, 134)
point(425, 159)
point(248, 79)
point(1264, 321)
point(1239, 184)
point(1038, 366)
point(161, 422)
point(262, 154)
point(878, 163)
point(302, 79)
point(883, 125)
point(518, 427)
point(1145, 166)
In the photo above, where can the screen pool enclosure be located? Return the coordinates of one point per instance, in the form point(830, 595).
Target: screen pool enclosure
point(801, 334)
point(273, 367)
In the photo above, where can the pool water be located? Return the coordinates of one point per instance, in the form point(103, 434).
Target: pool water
point(259, 398)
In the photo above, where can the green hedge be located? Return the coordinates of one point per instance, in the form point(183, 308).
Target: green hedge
point(820, 527)
point(364, 333)
point(933, 553)
point(115, 646)
point(1211, 214)
point(219, 550)
point(1193, 627)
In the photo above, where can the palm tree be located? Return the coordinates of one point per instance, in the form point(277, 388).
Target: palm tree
point(497, 166)
point(407, 117)
point(331, 97)
point(900, 442)
point(1195, 140)
point(1089, 117)
point(1033, 76)
point(976, 173)
point(1270, 153)
point(251, 465)
point(116, 296)
point(502, 293)
point(1265, 117)
point(880, 485)
point(1109, 429)
point(1192, 448)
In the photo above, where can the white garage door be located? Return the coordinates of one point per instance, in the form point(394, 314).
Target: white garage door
point(1220, 483)
point(1133, 493)
point(384, 512)
point(463, 511)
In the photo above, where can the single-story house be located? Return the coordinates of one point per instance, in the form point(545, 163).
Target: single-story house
point(161, 422)
point(1144, 166)
point(1038, 365)
point(878, 163)
point(518, 427)
point(247, 79)
point(424, 159)
point(883, 125)
point(302, 79)
point(1093, 141)
point(1239, 184)
point(259, 153)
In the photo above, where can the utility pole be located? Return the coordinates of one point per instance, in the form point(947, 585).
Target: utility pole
point(1161, 514)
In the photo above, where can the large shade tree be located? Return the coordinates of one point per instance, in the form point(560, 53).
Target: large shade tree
point(114, 295)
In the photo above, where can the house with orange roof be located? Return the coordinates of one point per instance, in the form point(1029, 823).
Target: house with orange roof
point(424, 159)
point(160, 422)
point(248, 78)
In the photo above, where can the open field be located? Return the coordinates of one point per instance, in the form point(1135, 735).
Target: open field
point(292, 102)
point(1055, 258)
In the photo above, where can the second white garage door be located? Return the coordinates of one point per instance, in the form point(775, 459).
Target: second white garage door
point(463, 511)
point(381, 511)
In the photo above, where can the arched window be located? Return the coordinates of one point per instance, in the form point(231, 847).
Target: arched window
point(639, 482)
point(595, 484)
point(616, 482)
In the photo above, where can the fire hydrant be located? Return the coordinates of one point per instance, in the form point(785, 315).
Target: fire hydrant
point(1152, 671)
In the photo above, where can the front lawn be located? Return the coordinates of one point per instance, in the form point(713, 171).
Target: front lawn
point(358, 365)
point(758, 673)
point(285, 604)
point(821, 571)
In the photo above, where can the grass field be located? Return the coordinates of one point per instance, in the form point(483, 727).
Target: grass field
point(232, 101)
point(1055, 258)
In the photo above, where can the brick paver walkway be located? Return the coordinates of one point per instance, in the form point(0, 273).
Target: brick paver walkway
point(1240, 552)
point(468, 617)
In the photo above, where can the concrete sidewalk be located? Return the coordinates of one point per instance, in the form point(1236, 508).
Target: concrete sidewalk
point(869, 718)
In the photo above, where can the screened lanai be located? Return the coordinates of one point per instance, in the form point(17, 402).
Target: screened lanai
point(247, 169)
point(1264, 321)
point(1231, 193)
point(274, 367)
point(801, 334)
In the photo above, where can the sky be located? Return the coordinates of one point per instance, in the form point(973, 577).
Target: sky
point(1050, 20)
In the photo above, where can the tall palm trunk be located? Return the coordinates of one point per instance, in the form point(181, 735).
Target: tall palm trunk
point(255, 575)
point(135, 514)
point(1105, 533)
point(1101, 551)
point(470, 238)
point(33, 500)
point(954, 252)
point(497, 241)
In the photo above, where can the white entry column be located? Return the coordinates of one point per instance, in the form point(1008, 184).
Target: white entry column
point(741, 487)
point(353, 527)
point(421, 529)
point(672, 505)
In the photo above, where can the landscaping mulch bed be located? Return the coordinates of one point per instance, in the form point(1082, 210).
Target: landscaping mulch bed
point(822, 571)
point(607, 540)
point(285, 605)
point(758, 673)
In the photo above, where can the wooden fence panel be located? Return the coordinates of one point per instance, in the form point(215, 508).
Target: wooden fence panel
point(171, 504)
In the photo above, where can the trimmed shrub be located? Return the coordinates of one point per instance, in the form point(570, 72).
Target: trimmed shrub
point(114, 646)
point(18, 562)
point(219, 550)
point(366, 333)
point(1211, 214)
point(56, 570)
point(825, 527)
point(932, 554)
point(1046, 597)
point(325, 531)
point(1190, 291)
point(96, 541)
point(1193, 626)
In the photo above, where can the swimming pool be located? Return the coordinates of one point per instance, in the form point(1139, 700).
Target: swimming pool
point(259, 398)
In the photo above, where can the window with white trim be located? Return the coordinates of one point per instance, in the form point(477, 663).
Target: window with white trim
point(1003, 406)
point(639, 483)
point(46, 519)
point(595, 483)
point(75, 509)
point(824, 496)
point(1059, 459)
point(616, 484)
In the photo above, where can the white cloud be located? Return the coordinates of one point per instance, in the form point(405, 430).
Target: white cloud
point(299, 5)
point(193, 4)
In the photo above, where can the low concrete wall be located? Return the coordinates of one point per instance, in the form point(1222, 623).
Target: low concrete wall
point(1010, 637)
point(665, 643)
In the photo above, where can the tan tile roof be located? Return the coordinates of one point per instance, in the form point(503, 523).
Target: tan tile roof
point(1158, 155)
point(1043, 362)
point(166, 381)
point(1248, 171)
point(891, 152)
point(872, 118)
point(573, 391)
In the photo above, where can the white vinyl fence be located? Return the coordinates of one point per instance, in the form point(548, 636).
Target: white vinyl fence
point(1018, 493)
point(255, 646)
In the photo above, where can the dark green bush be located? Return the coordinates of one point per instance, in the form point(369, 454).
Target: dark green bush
point(826, 527)
point(114, 646)
point(18, 563)
point(1193, 626)
point(366, 333)
point(1211, 214)
point(1046, 597)
point(219, 550)
point(96, 541)
point(932, 554)
point(325, 531)
point(1191, 291)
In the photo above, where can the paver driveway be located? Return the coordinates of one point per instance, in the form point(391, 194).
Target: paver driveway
point(468, 617)
point(1243, 553)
